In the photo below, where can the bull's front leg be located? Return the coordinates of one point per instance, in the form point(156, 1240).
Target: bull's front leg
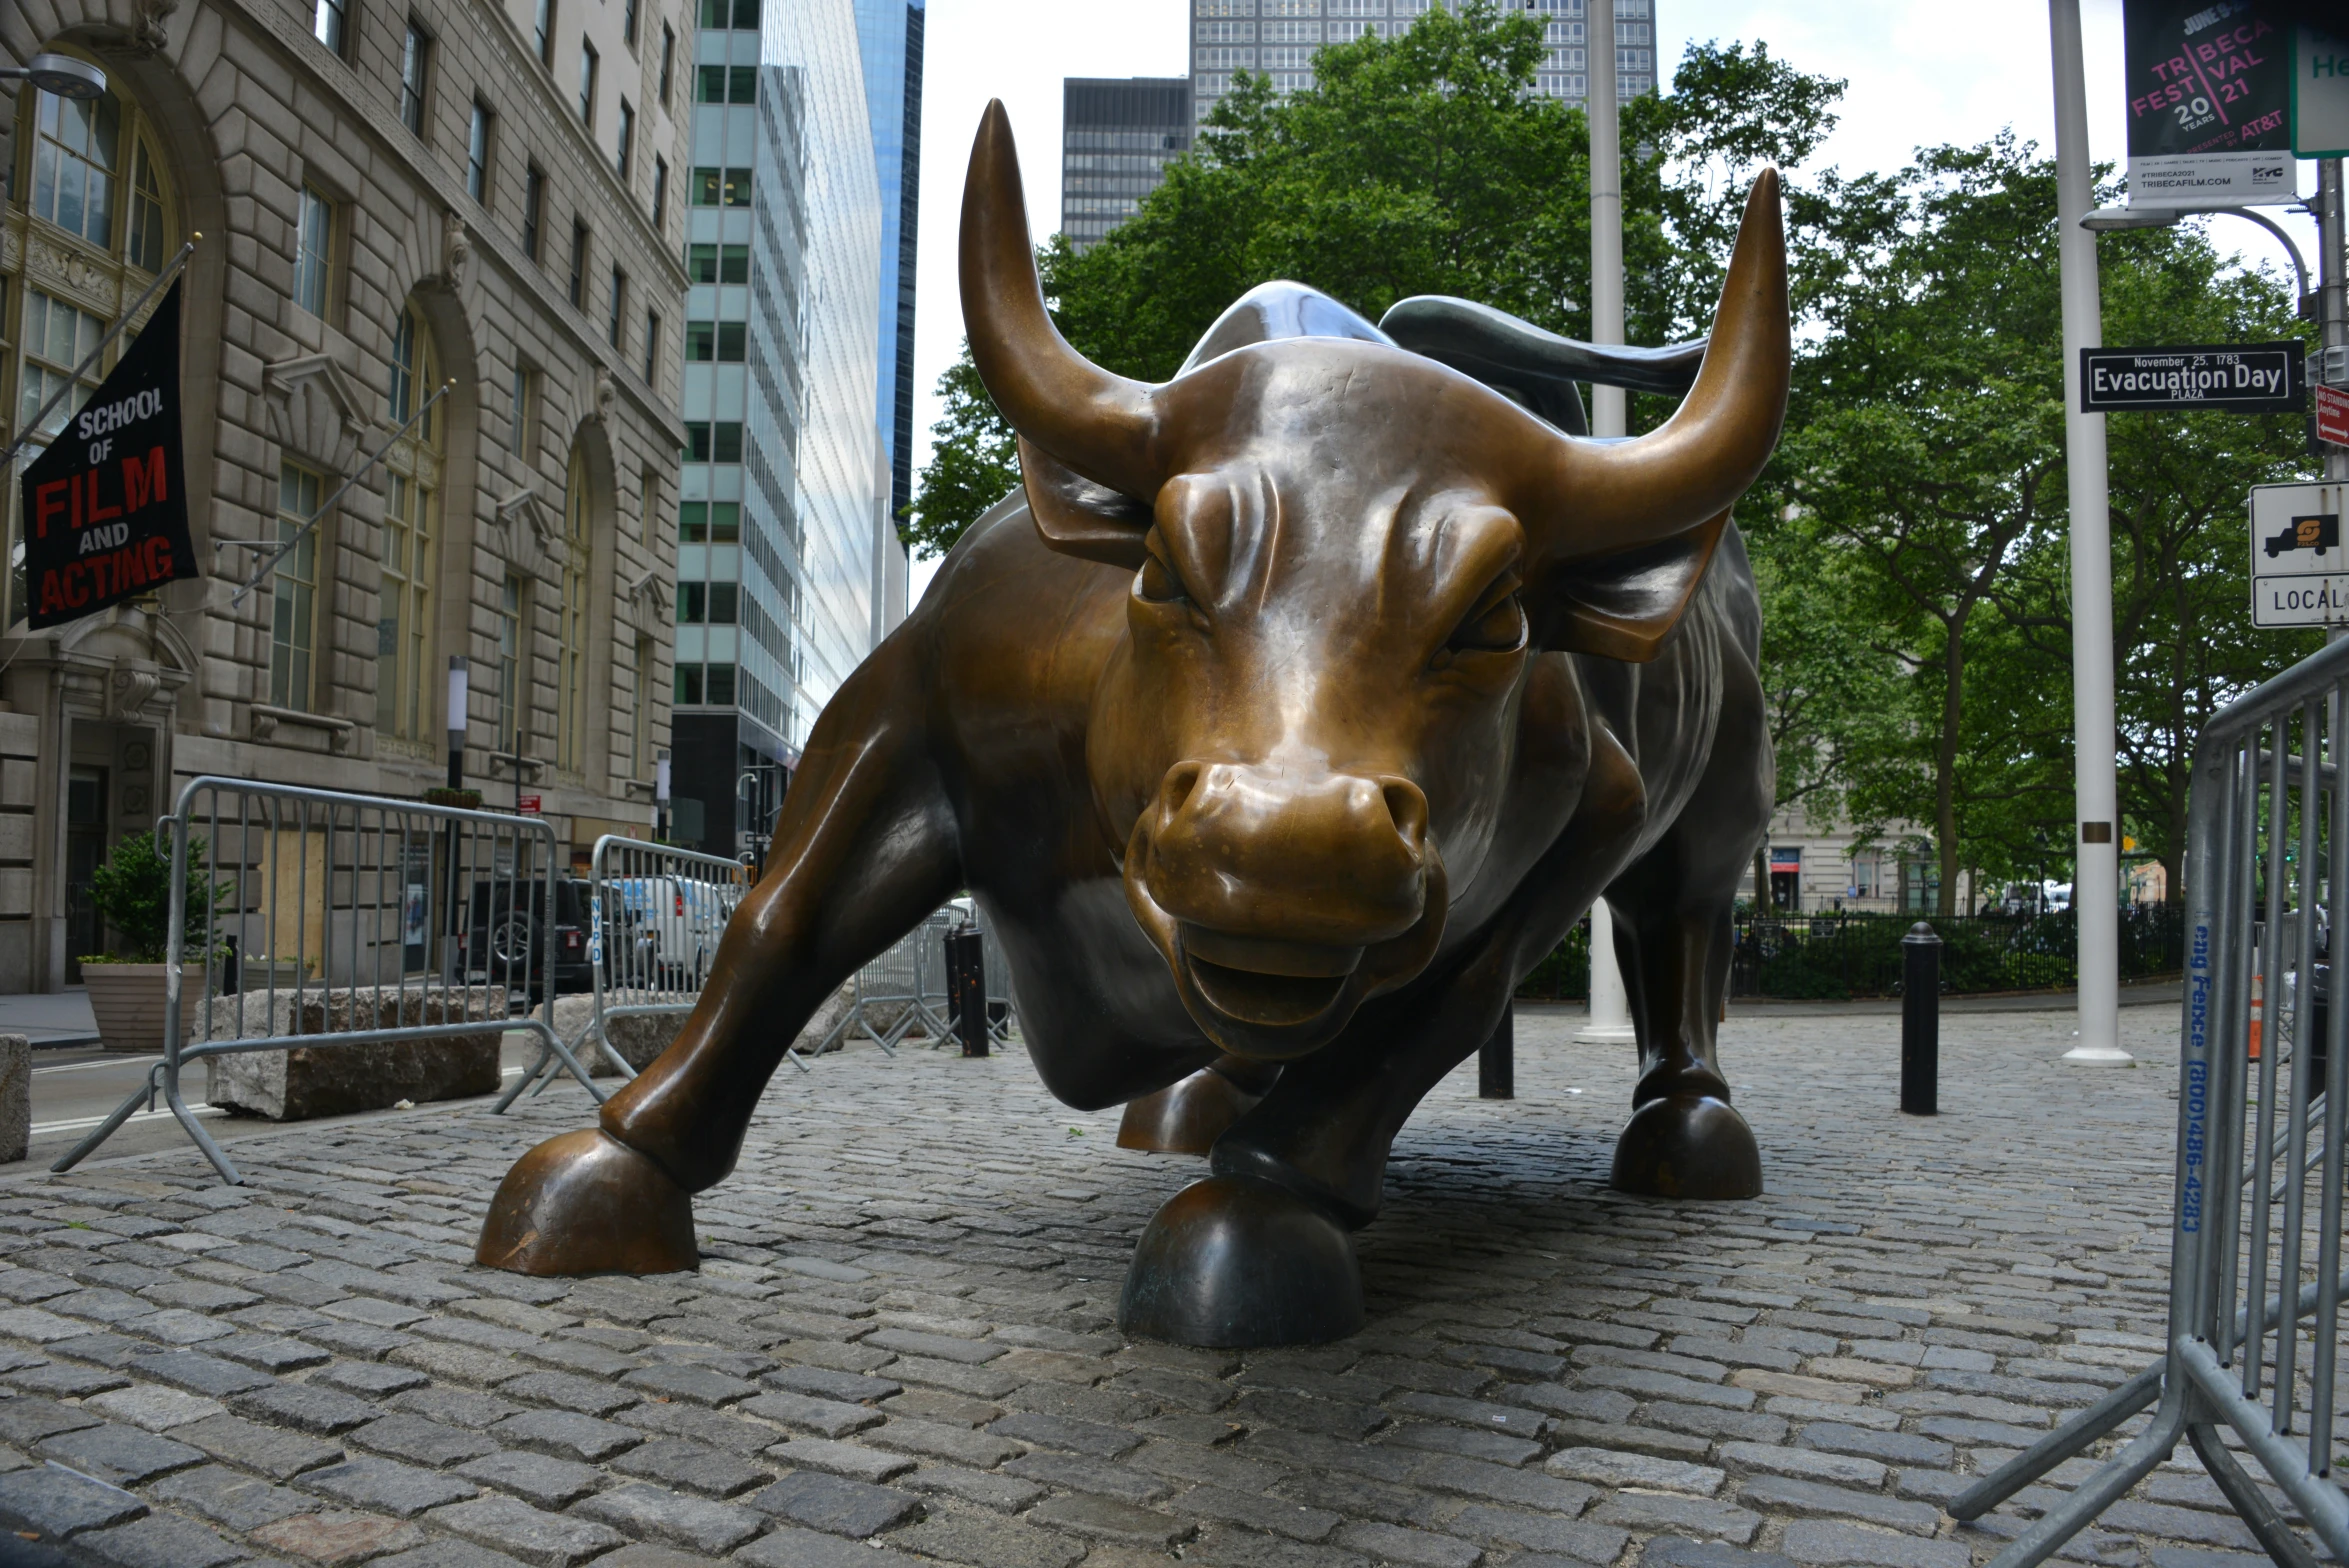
point(864, 848)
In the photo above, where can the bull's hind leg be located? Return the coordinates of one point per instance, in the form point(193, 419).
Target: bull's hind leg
point(864, 848)
point(1672, 940)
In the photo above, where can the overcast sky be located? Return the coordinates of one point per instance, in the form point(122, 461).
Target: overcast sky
point(1919, 72)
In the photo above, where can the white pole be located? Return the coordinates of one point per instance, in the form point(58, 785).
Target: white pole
point(1610, 1010)
point(2096, 846)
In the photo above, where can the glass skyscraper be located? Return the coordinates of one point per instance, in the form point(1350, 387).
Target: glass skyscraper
point(784, 481)
point(1116, 139)
point(890, 35)
point(1278, 37)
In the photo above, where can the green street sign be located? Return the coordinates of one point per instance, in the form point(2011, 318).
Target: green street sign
point(2320, 93)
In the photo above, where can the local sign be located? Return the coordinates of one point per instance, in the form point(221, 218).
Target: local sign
point(2209, 96)
point(2299, 572)
point(2242, 378)
point(2332, 414)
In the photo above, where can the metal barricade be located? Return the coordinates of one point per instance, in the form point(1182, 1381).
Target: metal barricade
point(2255, 1265)
point(375, 920)
point(656, 915)
point(895, 990)
point(1003, 1009)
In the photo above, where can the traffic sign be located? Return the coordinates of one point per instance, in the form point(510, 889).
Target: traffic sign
point(2242, 378)
point(2320, 94)
point(528, 805)
point(2332, 414)
point(2299, 571)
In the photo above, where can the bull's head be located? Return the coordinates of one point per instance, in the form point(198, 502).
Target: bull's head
point(1344, 557)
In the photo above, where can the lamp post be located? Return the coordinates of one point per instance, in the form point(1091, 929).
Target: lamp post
point(2095, 785)
point(1610, 1008)
point(450, 958)
point(661, 797)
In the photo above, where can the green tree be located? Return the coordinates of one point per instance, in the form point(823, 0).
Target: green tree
point(1421, 164)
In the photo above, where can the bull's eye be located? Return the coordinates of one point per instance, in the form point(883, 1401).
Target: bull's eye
point(1496, 625)
point(1157, 581)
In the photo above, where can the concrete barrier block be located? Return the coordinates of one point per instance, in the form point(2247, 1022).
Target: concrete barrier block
point(338, 1079)
point(16, 1096)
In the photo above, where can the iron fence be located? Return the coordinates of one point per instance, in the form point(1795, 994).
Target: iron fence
point(370, 921)
point(2255, 1233)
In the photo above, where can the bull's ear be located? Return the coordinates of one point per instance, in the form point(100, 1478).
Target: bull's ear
point(1078, 517)
point(1624, 606)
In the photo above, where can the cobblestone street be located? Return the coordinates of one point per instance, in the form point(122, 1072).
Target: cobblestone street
point(902, 1344)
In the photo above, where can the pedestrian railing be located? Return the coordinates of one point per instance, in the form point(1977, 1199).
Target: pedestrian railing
point(895, 992)
point(2255, 1239)
point(656, 914)
point(367, 920)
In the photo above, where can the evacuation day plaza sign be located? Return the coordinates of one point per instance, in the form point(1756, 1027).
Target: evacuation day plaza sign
point(2299, 573)
point(2241, 378)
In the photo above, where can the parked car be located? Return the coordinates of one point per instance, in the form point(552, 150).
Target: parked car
point(675, 924)
point(503, 944)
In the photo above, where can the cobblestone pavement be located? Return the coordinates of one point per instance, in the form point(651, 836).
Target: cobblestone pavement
point(902, 1346)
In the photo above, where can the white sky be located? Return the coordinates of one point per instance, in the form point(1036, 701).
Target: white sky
point(1917, 75)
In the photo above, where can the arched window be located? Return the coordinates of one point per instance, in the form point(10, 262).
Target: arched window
point(571, 621)
point(411, 528)
point(89, 179)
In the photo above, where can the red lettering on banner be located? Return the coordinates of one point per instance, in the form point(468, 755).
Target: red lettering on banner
point(96, 515)
point(159, 564)
point(76, 592)
point(143, 481)
point(48, 502)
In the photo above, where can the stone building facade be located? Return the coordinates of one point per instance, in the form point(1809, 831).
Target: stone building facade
point(390, 197)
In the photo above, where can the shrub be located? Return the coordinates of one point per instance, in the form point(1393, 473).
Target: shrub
point(132, 894)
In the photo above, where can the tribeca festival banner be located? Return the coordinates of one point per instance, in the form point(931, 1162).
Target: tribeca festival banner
point(2210, 87)
point(106, 507)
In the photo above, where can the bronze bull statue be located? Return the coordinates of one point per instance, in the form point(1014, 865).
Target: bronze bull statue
point(1295, 711)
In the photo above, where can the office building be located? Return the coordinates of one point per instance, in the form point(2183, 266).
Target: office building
point(890, 34)
point(482, 193)
point(1278, 37)
point(780, 552)
point(1116, 139)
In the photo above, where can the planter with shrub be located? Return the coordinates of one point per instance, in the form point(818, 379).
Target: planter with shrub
point(132, 894)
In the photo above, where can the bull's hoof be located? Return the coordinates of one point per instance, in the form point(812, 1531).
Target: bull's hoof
point(1185, 1117)
point(1237, 1262)
point(586, 1203)
point(1688, 1146)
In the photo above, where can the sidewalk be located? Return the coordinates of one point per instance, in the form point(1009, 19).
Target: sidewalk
point(50, 1019)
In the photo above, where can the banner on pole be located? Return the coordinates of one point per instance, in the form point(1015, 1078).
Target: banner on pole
point(105, 507)
point(2209, 90)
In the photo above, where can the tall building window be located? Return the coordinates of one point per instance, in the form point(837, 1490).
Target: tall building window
point(726, 84)
point(718, 263)
point(415, 59)
point(330, 21)
point(571, 634)
point(73, 181)
point(477, 153)
point(648, 503)
point(513, 674)
point(619, 307)
point(544, 29)
point(652, 347)
point(660, 192)
point(410, 524)
point(587, 65)
point(533, 209)
point(627, 147)
point(722, 341)
point(523, 426)
point(628, 22)
point(578, 288)
point(313, 256)
point(293, 599)
point(742, 14)
point(668, 61)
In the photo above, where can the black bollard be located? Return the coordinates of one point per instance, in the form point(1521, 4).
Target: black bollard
point(1496, 1060)
point(1920, 1021)
point(966, 989)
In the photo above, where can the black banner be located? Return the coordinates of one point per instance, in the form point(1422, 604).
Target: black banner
point(2241, 378)
point(2205, 76)
point(106, 506)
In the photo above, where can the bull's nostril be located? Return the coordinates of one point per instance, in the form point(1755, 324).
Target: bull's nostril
point(1408, 807)
point(1176, 788)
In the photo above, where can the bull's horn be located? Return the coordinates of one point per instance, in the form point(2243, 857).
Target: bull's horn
point(1703, 458)
point(1098, 424)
